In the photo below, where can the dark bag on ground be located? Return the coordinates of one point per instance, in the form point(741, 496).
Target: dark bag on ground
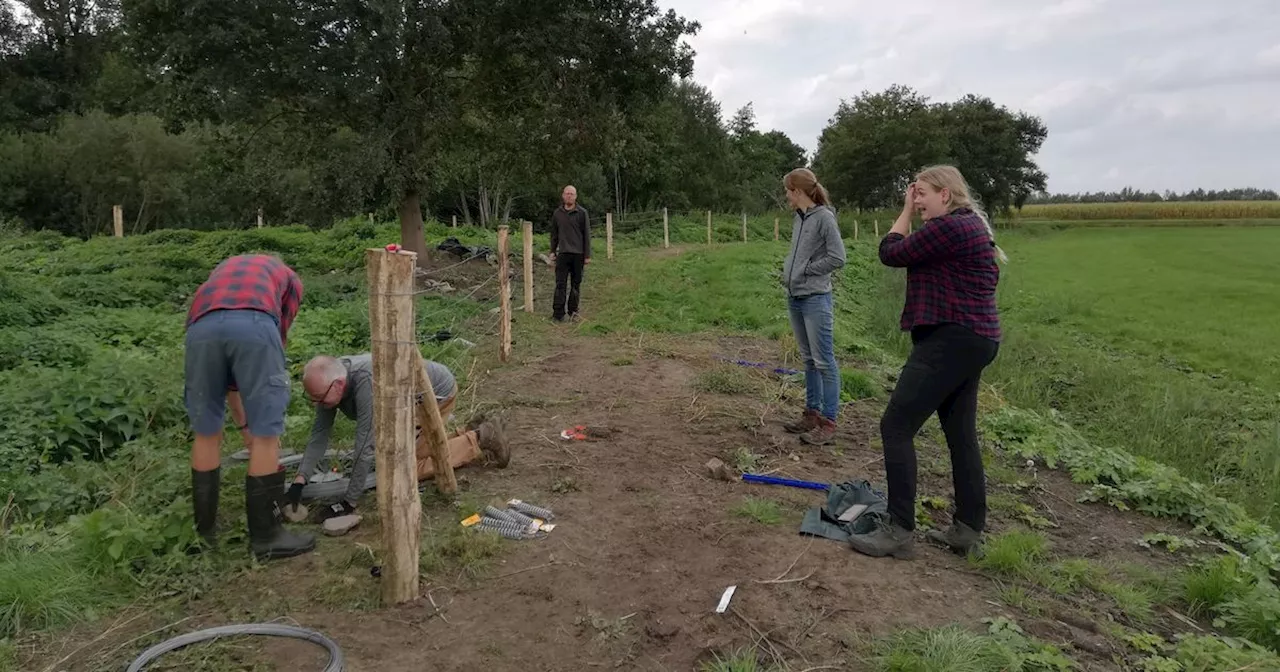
point(846, 512)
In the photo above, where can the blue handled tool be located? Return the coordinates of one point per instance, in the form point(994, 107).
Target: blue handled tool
point(774, 480)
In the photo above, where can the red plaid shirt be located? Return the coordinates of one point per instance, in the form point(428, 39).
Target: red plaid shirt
point(251, 282)
point(951, 273)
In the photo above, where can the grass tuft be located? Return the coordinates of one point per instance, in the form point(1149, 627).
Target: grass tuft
point(764, 511)
point(1014, 553)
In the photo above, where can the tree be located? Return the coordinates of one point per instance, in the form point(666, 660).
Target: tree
point(399, 73)
point(875, 143)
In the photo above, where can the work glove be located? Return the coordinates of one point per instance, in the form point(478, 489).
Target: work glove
point(294, 495)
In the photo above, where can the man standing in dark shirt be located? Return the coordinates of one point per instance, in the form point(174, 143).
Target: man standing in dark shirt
point(571, 250)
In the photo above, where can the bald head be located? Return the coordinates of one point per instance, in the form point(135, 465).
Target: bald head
point(323, 380)
point(570, 196)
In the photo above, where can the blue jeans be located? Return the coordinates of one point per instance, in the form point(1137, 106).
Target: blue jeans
point(813, 323)
point(241, 346)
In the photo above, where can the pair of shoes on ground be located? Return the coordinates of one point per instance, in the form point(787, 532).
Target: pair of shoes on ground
point(264, 495)
point(888, 538)
point(813, 428)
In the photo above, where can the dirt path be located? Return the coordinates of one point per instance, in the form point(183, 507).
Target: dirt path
point(645, 542)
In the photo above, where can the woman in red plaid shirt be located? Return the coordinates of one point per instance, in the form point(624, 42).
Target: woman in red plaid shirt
point(951, 313)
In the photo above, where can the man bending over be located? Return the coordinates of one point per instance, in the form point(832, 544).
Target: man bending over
point(346, 384)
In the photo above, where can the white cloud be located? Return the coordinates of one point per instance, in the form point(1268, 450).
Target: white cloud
point(1155, 94)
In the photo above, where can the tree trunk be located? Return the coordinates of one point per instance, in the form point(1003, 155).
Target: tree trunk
point(411, 234)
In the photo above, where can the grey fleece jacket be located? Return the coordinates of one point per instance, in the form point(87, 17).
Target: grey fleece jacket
point(357, 404)
point(816, 251)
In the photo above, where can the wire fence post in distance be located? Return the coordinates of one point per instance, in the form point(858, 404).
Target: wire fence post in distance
point(666, 229)
point(395, 359)
point(744, 227)
point(504, 292)
point(526, 232)
point(775, 229)
point(608, 234)
point(117, 219)
point(708, 227)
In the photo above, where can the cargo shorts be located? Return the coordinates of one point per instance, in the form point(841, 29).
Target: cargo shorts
point(241, 347)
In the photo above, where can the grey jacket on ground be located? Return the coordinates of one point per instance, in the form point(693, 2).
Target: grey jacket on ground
point(357, 404)
point(816, 251)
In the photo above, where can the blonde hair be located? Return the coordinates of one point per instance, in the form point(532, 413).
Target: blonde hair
point(804, 181)
point(949, 178)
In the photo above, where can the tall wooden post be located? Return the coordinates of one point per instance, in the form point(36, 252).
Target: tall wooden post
point(775, 229)
point(855, 229)
point(526, 232)
point(608, 234)
point(744, 227)
point(708, 227)
point(666, 229)
point(117, 220)
point(433, 430)
point(504, 291)
point(455, 221)
point(877, 229)
point(394, 354)
point(259, 218)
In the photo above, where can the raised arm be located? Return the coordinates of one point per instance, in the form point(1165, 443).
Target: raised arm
point(937, 239)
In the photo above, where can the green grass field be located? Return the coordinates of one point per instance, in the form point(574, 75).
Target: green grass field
point(1158, 341)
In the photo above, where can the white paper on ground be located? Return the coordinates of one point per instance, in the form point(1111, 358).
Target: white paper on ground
point(724, 599)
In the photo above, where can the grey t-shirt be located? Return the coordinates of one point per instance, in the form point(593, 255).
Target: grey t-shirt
point(357, 404)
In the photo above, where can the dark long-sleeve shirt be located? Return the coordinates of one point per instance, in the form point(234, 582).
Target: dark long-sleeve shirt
point(571, 231)
point(951, 273)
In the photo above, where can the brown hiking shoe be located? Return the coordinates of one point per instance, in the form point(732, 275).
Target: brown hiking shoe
point(493, 444)
point(806, 422)
point(822, 434)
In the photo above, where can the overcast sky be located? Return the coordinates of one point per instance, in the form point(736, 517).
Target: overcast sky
point(1154, 94)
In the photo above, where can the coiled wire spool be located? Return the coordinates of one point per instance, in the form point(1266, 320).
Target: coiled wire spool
point(337, 662)
point(534, 511)
point(506, 528)
point(522, 519)
point(497, 514)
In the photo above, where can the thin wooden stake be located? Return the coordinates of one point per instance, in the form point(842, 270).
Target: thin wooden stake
point(259, 218)
point(666, 229)
point(855, 229)
point(744, 227)
point(775, 229)
point(708, 227)
point(504, 284)
point(391, 328)
point(455, 221)
point(526, 232)
point(877, 228)
point(433, 429)
point(608, 234)
point(117, 218)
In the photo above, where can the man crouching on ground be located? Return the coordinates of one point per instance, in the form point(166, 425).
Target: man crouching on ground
point(346, 384)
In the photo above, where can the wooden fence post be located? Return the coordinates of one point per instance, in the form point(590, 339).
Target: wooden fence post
point(608, 234)
point(504, 291)
point(259, 218)
point(855, 229)
point(744, 227)
point(455, 221)
point(775, 229)
point(526, 232)
point(391, 329)
point(433, 431)
point(877, 229)
point(117, 220)
point(708, 227)
point(666, 229)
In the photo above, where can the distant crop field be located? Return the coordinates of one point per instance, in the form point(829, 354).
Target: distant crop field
point(1198, 210)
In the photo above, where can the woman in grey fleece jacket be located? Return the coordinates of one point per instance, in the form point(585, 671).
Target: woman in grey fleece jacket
point(816, 251)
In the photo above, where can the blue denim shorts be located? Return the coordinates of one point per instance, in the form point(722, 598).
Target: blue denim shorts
point(240, 346)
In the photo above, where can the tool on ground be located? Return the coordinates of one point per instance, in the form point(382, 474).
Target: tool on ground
point(790, 482)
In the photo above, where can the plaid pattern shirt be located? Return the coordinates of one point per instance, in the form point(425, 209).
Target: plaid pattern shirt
point(951, 273)
point(251, 282)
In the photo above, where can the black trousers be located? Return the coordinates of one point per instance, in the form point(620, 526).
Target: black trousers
point(569, 268)
point(941, 375)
